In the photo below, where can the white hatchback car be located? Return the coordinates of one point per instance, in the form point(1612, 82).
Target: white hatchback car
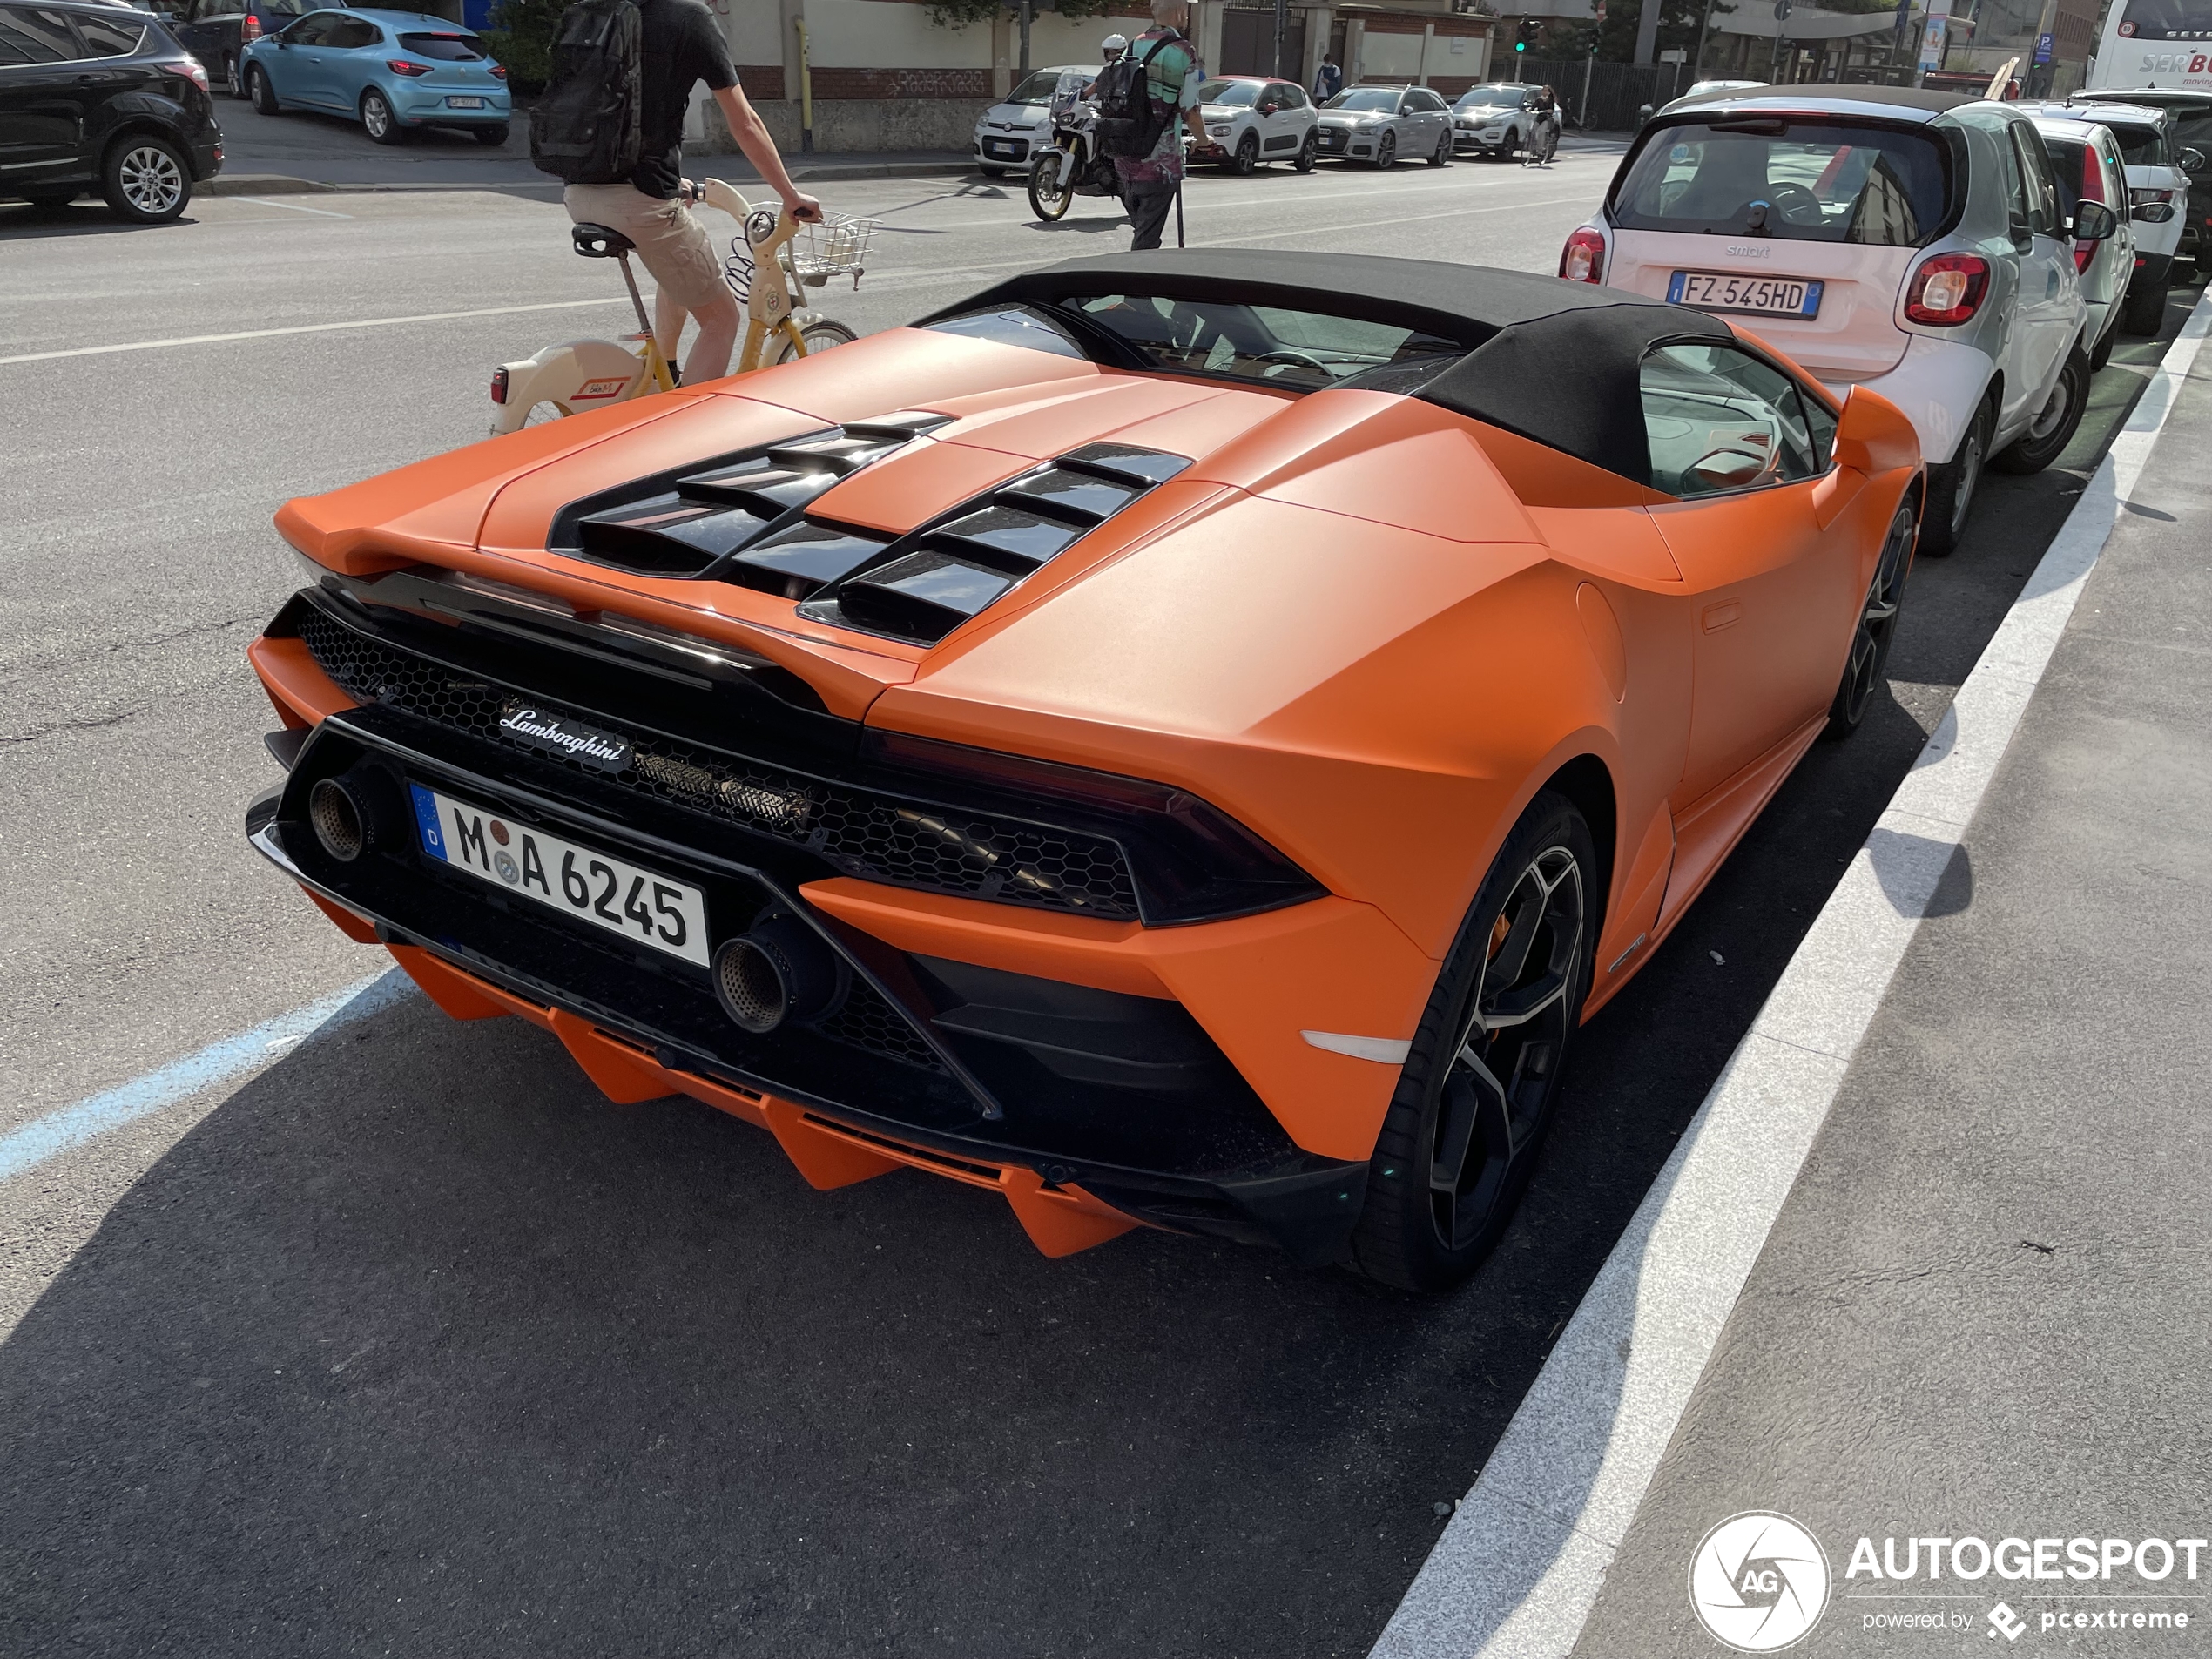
point(2085, 160)
point(1907, 240)
point(1253, 119)
point(2158, 195)
point(1010, 134)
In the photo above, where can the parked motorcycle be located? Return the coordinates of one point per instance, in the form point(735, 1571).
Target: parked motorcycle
point(1071, 166)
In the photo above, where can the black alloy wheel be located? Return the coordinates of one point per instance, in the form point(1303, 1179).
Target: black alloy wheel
point(377, 120)
point(258, 90)
point(1386, 152)
point(2052, 428)
point(1952, 487)
point(1870, 643)
point(1475, 1094)
point(145, 179)
point(1443, 152)
point(1245, 163)
point(1308, 152)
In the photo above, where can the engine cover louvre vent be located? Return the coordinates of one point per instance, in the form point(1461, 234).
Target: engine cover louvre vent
point(689, 521)
point(928, 582)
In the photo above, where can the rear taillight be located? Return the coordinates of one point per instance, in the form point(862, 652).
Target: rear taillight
point(499, 384)
point(406, 66)
point(250, 29)
point(1583, 258)
point(499, 72)
point(1947, 290)
point(189, 68)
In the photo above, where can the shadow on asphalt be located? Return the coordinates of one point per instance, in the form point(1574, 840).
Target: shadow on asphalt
point(415, 1342)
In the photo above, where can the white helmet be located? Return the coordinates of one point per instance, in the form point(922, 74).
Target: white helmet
point(1113, 46)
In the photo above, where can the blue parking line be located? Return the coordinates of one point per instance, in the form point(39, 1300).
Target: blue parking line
point(44, 1138)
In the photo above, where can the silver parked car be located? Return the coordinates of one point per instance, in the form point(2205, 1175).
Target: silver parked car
point(1494, 119)
point(1913, 242)
point(1381, 125)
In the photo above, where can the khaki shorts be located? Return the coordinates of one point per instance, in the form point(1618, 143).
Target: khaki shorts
point(672, 244)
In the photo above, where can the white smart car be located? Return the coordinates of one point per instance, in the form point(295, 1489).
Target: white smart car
point(1010, 134)
point(1910, 241)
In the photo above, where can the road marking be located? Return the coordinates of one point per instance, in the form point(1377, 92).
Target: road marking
point(1521, 1563)
point(220, 1062)
point(291, 207)
point(307, 327)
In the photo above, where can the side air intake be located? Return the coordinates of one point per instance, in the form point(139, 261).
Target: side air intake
point(924, 585)
point(692, 520)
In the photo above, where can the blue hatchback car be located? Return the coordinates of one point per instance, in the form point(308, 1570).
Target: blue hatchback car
point(393, 71)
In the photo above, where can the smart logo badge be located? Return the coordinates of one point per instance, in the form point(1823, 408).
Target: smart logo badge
point(1758, 1582)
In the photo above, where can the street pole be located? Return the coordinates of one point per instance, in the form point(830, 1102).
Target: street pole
point(1697, 63)
point(1781, 11)
point(1283, 26)
point(1582, 120)
point(1026, 8)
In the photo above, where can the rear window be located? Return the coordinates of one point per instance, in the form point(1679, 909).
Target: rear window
point(2166, 20)
point(1801, 180)
point(34, 36)
point(1297, 350)
point(452, 49)
point(109, 36)
point(2141, 146)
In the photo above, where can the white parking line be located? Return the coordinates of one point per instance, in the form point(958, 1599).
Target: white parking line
point(291, 207)
point(1521, 1563)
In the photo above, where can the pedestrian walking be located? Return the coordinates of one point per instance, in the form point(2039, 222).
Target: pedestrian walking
point(1329, 81)
point(1162, 79)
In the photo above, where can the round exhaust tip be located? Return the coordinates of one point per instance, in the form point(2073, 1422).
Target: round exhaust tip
point(751, 987)
point(336, 818)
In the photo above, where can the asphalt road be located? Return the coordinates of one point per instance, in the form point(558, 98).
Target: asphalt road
point(413, 1343)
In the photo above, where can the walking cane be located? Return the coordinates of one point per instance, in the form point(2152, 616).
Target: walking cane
point(1178, 212)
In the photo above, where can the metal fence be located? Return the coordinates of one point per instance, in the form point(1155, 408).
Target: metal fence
point(1604, 97)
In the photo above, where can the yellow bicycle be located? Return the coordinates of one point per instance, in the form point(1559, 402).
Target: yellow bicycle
point(773, 260)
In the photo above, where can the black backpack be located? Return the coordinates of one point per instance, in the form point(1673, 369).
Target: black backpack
point(1128, 124)
point(585, 128)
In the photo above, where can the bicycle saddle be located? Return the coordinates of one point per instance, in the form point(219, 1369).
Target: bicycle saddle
point(601, 242)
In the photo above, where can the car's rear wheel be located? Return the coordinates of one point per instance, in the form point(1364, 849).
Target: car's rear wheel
point(491, 137)
point(1386, 152)
point(258, 90)
point(1049, 199)
point(1308, 152)
point(378, 121)
point(1869, 644)
point(2144, 310)
point(1952, 487)
point(1474, 1096)
point(2052, 430)
point(231, 82)
point(145, 179)
point(1246, 162)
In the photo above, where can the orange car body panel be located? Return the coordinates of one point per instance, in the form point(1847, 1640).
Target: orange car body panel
point(1368, 628)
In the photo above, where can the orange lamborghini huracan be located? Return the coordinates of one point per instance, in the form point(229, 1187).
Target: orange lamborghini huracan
point(1182, 739)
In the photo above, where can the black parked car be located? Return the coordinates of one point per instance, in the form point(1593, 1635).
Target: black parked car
point(102, 98)
point(218, 31)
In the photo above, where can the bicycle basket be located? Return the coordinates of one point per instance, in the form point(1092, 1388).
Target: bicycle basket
point(838, 245)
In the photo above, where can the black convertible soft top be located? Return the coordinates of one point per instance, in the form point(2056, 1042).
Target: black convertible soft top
point(1554, 361)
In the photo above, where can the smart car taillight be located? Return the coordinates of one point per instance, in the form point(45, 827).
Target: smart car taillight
point(406, 66)
point(1947, 290)
point(1583, 258)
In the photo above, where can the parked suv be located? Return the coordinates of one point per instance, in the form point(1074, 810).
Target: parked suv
point(102, 98)
point(2158, 195)
point(2190, 114)
point(1910, 241)
point(218, 31)
point(1494, 119)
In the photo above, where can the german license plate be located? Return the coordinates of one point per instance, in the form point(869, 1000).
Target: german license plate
point(580, 881)
point(1762, 295)
point(464, 104)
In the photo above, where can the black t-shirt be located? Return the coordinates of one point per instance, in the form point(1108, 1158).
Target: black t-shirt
point(680, 44)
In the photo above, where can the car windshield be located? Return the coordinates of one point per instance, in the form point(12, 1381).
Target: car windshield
point(1804, 180)
point(1230, 93)
point(451, 49)
point(1489, 97)
point(1299, 350)
point(1364, 98)
point(1038, 89)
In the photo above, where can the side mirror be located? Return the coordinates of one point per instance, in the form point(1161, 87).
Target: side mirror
point(1874, 436)
point(2093, 222)
point(2192, 161)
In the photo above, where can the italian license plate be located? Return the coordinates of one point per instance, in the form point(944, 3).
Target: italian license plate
point(1765, 296)
point(464, 104)
point(579, 882)
point(998, 147)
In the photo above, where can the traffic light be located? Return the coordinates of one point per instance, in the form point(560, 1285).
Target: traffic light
point(1525, 33)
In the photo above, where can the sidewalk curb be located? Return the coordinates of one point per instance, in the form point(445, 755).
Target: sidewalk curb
point(1521, 1564)
point(280, 183)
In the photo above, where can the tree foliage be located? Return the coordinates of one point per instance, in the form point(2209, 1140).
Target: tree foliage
point(521, 37)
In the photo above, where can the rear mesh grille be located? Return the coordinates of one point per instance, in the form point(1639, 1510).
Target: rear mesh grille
point(865, 1021)
point(874, 837)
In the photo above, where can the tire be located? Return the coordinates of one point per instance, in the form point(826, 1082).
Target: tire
point(145, 180)
point(1869, 646)
point(1443, 152)
point(1512, 145)
point(2052, 428)
point(378, 121)
point(490, 138)
point(1047, 200)
point(1308, 153)
point(1952, 487)
point(2143, 312)
point(992, 172)
point(1246, 162)
point(819, 337)
point(1387, 152)
point(258, 90)
point(1460, 1140)
point(232, 84)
